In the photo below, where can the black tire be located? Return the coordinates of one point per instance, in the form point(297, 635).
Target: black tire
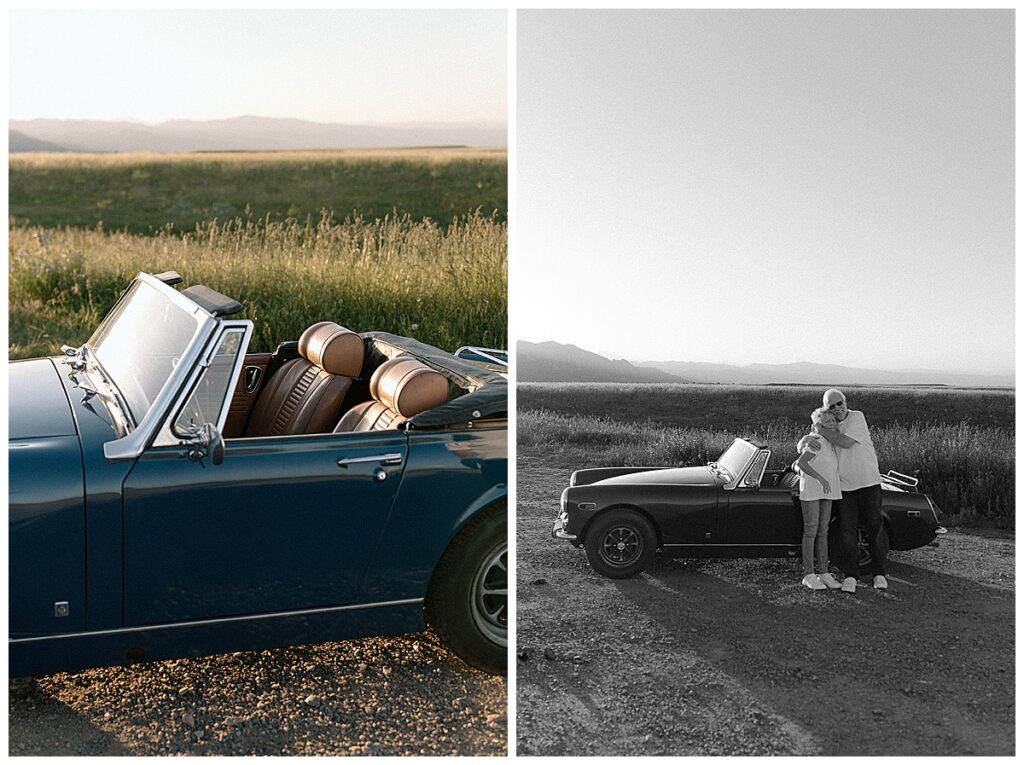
point(467, 602)
point(835, 553)
point(620, 544)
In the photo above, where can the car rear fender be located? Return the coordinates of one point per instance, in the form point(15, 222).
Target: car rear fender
point(886, 524)
point(621, 506)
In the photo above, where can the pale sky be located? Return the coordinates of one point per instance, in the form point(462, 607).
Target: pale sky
point(768, 186)
point(351, 66)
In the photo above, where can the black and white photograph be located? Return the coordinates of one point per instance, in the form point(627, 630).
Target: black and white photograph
point(763, 302)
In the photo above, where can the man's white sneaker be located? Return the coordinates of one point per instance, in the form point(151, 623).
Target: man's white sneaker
point(880, 583)
point(813, 582)
point(849, 584)
point(829, 581)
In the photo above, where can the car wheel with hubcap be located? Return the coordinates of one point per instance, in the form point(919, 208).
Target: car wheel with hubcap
point(467, 603)
point(620, 543)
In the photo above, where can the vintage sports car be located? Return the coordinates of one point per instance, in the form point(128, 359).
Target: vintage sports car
point(173, 496)
point(732, 508)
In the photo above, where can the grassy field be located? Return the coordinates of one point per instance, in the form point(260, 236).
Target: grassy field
point(965, 463)
point(446, 287)
point(297, 237)
point(144, 193)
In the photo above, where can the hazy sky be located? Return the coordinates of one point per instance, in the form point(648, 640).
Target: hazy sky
point(759, 186)
point(354, 66)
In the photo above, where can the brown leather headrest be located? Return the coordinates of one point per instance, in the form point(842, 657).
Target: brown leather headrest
point(333, 348)
point(408, 386)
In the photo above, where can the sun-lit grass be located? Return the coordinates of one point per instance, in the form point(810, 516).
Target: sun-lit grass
point(968, 469)
point(143, 193)
point(443, 285)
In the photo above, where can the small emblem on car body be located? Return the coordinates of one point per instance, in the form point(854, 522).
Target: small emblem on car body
point(61, 608)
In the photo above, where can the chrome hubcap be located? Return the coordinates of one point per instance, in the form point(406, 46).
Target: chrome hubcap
point(621, 545)
point(490, 596)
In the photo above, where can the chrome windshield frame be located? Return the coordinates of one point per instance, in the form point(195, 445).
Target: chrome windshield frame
point(133, 444)
point(738, 478)
point(165, 435)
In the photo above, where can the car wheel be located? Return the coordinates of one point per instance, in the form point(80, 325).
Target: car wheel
point(467, 603)
point(620, 544)
point(835, 553)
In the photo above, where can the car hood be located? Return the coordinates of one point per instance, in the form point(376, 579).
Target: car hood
point(38, 405)
point(687, 476)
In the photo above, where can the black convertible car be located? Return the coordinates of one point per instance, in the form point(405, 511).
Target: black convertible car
point(732, 508)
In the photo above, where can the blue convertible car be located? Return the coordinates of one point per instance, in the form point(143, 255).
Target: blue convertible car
point(173, 496)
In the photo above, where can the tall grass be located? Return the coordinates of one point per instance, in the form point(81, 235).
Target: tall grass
point(143, 193)
point(968, 470)
point(738, 408)
point(443, 285)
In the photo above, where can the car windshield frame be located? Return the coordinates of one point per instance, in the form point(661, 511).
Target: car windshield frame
point(129, 326)
point(141, 430)
point(730, 459)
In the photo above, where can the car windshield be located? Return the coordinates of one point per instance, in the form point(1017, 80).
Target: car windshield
point(736, 457)
point(139, 343)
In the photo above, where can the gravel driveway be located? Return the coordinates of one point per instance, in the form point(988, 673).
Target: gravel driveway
point(716, 657)
point(383, 696)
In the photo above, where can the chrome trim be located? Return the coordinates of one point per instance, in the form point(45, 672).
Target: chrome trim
point(730, 485)
point(558, 528)
point(395, 458)
point(133, 444)
point(165, 435)
point(487, 353)
point(730, 544)
point(587, 505)
point(225, 620)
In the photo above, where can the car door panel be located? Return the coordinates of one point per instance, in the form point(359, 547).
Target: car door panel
point(763, 516)
point(278, 526)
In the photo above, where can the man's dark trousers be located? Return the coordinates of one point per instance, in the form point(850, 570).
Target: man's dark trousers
point(861, 507)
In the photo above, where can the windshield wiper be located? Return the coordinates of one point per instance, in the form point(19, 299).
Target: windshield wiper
point(95, 383)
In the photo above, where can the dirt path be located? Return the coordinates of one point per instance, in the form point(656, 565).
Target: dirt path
point(736, 657)
point(383, 696)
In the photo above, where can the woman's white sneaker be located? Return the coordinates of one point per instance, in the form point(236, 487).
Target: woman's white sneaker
point(813, 582)
point(849, 584)
point(880, 583)
point(829, 581)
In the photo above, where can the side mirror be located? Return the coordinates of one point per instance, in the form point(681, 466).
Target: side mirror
point(206, 440)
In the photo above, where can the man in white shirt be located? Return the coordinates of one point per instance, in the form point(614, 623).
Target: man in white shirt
point(861, 486)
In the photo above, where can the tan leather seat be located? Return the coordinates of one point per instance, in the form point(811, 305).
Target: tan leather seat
point(305, 395)
point(401, 388)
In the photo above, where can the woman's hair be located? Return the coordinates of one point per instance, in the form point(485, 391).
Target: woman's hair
point(816, 414)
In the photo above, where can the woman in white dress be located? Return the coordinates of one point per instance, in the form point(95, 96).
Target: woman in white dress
point(818, 465)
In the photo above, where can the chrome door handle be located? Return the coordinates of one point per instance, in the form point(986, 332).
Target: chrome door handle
point(383, 459)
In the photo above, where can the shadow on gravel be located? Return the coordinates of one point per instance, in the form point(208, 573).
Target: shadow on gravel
point(60, 729)
point(925, 668)
point(377, 696)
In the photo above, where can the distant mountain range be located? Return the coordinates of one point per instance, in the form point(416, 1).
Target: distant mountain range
point(240, 134)
point(557, 362)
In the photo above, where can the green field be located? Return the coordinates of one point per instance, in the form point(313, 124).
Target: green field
point(436, 270)
point(143, 193)
point(960, 443)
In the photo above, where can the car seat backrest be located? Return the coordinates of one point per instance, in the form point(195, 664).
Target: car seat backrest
point(401, 388)
point(305, 394)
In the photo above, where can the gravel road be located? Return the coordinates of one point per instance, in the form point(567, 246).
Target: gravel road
point(718, 657)
point(382, 696)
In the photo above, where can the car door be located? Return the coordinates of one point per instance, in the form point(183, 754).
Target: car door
point(761, 515)
point(282, 524)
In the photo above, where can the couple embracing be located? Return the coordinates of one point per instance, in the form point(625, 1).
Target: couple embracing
point(839, 470)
